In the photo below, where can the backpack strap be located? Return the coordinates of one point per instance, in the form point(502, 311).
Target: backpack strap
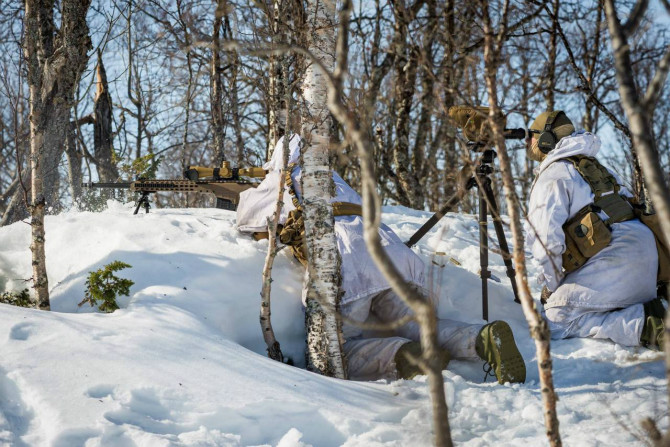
point(605, 188)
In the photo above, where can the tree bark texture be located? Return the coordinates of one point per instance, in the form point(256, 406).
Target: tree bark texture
point(74, 158)
point(56, 60)
point(550, 79)
point(273, 346)
point(405, 65)
point(639, 112)
point(324, 339)
point(538, 326)
point(102, 134)
point(216, 87)
point(421, 306)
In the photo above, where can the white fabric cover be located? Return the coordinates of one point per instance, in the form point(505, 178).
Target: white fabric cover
point(366, 292)
point(623, 275)
point(360, 276)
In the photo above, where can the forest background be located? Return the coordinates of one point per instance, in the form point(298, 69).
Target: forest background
point(182, 83)
point(173, 100)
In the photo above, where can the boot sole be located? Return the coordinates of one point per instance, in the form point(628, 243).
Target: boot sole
point(511, 367)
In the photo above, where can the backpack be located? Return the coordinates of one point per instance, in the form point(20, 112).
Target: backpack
point(586, 234)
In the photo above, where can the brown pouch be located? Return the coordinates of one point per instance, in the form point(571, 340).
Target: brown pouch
point(651, 221)
point(585, 235)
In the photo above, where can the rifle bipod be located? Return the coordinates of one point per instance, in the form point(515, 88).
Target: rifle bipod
point(487, 205)
point(143, 201)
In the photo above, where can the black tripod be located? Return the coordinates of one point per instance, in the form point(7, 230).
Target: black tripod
point(480, 180)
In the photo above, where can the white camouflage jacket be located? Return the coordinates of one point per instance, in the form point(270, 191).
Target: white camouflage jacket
point(616, 276)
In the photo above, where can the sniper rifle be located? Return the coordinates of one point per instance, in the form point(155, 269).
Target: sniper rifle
point(225, 183)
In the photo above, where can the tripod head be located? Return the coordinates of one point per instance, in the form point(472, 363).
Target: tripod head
point(483, 168)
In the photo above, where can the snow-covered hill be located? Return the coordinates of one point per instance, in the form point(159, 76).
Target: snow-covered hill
point(182, 363)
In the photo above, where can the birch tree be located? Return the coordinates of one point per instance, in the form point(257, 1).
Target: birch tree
point(639, 107)
point(56, 59)
point(324, 339)
point(538, 326)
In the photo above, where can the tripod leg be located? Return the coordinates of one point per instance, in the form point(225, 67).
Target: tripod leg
point(430, 223)
point(502, 241)
point(484, 251)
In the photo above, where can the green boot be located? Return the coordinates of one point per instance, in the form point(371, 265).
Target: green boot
point(407, 369)
point(653, 330)
point(495, 345)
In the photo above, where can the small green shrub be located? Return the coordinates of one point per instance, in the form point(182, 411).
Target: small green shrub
point(102, 286)
point(143, 167)
point(21, 299)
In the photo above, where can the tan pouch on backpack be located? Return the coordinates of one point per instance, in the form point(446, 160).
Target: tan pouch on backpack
point(651, 221)
point(585, 235)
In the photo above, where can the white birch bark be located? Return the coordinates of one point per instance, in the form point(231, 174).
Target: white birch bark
point(538, 327)
point(324, 343)
point(639, 110)
point(56, 59)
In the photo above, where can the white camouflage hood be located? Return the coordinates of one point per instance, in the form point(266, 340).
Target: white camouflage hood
point(579, 143)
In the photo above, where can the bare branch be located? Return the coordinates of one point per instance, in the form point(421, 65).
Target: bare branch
point(636, 16)
point(657, 83)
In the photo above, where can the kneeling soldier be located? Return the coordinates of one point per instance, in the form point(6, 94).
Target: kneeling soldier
point(599, 263)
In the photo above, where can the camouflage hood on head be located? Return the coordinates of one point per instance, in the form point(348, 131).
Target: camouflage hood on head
point(579, 143)
point(275, 163)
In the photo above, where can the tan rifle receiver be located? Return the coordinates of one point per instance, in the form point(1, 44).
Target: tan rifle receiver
point(224, 172)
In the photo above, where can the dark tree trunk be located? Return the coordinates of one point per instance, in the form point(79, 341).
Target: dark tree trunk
point(102, 135)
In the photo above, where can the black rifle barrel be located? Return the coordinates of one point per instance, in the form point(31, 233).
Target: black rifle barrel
point(120, 185)
point(515, 134)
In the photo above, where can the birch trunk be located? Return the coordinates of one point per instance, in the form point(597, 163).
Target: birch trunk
point(324, 335)
point(638, 110)
point(273, 346)
point(56, 60)
point(538, 327)
point(420, 305)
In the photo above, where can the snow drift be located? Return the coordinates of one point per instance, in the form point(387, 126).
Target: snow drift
point(182, 363)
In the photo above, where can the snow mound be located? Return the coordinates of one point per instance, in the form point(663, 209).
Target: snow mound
point(183, 363)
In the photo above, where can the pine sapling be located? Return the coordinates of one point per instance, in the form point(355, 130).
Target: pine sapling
point(21, 299)
point(103, 286)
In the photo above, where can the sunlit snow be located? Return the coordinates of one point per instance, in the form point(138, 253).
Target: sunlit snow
point(183, 363)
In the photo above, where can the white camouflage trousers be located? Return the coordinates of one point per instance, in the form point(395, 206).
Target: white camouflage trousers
point(371, 354)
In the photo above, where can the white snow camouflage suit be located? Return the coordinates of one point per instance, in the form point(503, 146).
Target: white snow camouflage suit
point(367, 296)
point(603, 298)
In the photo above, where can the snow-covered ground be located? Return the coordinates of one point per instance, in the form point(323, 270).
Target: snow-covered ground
point(183, 363)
